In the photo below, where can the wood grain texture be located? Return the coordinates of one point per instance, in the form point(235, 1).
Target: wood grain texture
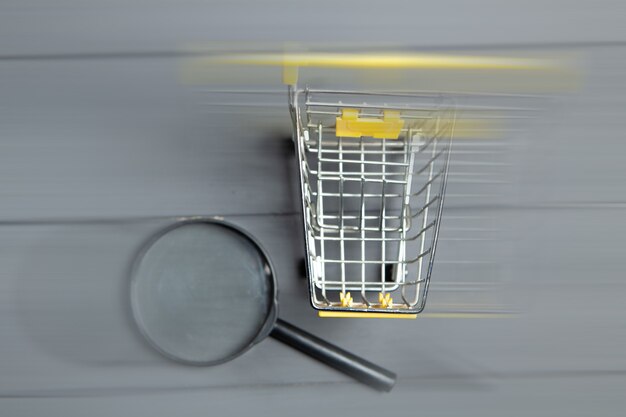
point(98, 154)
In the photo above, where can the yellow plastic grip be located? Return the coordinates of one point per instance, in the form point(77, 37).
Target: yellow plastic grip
point(363, 315)
point(350, 125)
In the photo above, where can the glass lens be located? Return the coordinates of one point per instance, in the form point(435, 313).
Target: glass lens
point(201, 293)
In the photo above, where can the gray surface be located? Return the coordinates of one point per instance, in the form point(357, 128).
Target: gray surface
point(119, 137)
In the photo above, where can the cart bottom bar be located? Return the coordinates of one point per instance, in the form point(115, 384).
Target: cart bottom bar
point(359, 315)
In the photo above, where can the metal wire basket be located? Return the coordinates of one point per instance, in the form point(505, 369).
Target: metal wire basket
point(373, 168)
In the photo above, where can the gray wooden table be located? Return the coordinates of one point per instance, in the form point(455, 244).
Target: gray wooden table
point(101, 146)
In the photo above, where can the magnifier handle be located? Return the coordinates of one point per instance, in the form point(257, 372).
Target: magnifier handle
point(358, 368)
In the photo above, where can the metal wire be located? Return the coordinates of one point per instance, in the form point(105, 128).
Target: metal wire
point(372, 207)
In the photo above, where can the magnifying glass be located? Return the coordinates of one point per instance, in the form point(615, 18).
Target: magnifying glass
point(204, 292)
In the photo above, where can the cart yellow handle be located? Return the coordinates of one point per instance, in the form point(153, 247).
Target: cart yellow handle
point(350, 125)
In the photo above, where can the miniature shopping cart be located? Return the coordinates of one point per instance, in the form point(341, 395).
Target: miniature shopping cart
point(373, 165)
point(373, 168)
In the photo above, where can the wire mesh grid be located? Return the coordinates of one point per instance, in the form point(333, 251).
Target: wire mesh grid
point(372, 205)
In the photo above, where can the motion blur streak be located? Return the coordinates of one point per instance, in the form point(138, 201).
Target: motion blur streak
point(112, 127)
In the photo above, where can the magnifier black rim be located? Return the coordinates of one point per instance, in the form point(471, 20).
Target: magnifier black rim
point(272, 314)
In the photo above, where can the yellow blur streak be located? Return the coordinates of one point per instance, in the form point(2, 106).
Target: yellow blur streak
point(465, 128)
point(388, 61)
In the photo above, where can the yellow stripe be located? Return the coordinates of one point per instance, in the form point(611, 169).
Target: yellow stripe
point(359, 315)
point(338, 60)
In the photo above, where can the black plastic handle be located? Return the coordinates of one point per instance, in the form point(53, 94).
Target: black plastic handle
point(344, 361)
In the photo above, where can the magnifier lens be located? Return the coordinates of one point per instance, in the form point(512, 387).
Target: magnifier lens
point(202, 293)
